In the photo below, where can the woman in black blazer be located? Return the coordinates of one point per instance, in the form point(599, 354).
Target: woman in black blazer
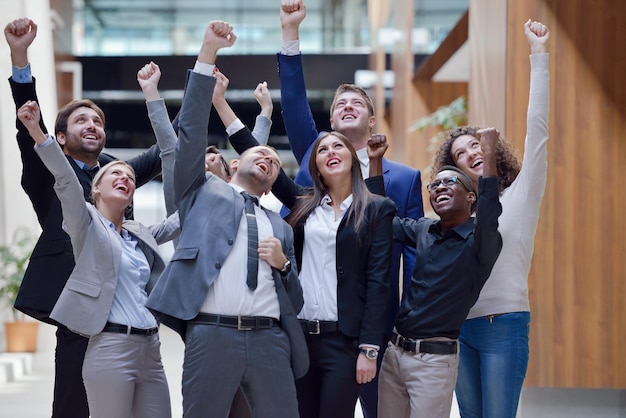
point(343, 248)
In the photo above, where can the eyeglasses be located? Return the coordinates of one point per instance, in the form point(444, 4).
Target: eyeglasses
point(446, 181)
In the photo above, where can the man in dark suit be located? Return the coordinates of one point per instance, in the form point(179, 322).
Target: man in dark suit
point(239, 329)
point(80, 131)
point(352, 114)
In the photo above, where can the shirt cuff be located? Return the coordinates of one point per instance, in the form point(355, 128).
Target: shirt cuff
point(369, 346)
point(204, 68)
point(234, 127)
point(290, 47)
point(48, 141)
point(22, 75)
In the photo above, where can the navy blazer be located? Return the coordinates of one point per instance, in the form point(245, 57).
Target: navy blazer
point(52, 260)
point(402, 183)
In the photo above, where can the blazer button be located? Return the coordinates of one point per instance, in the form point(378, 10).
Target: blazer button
point(218, 265)
point(230, 242)
point(340, 270)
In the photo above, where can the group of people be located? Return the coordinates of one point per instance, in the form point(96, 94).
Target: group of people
point(318, 315)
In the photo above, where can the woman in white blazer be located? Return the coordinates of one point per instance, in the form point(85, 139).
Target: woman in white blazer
point(117, 264)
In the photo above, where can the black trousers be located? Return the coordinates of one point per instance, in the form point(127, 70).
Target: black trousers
point(329, 389)
point(70, 398)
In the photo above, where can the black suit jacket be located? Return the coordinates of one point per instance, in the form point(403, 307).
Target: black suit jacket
point(52, 260)
point(363, 259)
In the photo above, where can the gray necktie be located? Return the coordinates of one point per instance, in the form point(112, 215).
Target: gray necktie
point(253, 240)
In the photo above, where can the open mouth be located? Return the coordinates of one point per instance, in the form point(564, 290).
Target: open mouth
point(349, 117)
point(477, 162)
point(263, 166)
point(121, 187)
point(443, 198)
point(332, 162)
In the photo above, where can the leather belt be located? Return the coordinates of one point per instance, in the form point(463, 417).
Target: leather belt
point(315, 327)
point(430, 347)
point(127, 329)
point(241, 323)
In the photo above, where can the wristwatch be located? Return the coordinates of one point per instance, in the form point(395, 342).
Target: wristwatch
point(286, 268)
point(370, 353)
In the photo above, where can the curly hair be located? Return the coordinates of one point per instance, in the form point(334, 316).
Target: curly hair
point(507, 164)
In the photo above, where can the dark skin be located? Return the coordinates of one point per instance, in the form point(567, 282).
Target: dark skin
point(453, 202)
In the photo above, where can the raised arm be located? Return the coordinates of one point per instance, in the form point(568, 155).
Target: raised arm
point(297, 116)
point(67, 187)
point(189, 171)
point(263, 122)
point(148, 78)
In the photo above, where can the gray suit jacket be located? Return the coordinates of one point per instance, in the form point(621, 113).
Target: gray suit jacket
point(85, 302)
point(210, 212)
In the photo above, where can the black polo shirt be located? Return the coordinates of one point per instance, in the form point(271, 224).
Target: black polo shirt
point(450, 269)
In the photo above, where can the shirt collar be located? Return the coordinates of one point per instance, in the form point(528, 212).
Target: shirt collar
point(464, 230)
point(344, 205)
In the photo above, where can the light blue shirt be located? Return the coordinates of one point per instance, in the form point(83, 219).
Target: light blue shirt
point(129, 299)
point(22, 75)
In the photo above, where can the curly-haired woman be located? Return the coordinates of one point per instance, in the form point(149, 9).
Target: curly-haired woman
point(494, 338)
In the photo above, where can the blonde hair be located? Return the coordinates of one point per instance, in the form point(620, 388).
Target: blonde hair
point(98, 177)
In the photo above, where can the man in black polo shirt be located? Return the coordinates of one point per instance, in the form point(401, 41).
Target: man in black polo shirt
point(455, 256)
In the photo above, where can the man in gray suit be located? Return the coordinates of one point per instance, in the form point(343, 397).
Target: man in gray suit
point(236, 332)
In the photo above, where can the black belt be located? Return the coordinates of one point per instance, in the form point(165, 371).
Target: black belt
point(318, 327)
point(430, 347)
point(127, 329)
point(242, 323)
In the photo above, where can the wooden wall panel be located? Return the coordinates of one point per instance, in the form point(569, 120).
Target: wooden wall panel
point(578, 277)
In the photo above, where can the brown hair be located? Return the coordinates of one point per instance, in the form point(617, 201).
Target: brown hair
point(360, 194)
point(343, 88)
point(65, 112)
point(507, 164)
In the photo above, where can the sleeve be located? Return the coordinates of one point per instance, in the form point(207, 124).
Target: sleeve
point(486, 236)
point(297, 116)
point(378, 264)
point(76, 217)
point(261, 131)
point(166, 140)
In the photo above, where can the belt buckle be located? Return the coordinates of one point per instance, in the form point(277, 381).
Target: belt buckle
point(240, 326)
point(317, 327)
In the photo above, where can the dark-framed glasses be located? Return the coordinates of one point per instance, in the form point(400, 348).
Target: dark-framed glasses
point(446, 181)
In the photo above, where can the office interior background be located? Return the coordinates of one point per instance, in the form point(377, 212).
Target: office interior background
point(412, 56)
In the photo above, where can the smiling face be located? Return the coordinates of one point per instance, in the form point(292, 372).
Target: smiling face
point(258, 167)
point(84, 136)
point(332, 157)
point(449, 197)
point(114, 184)
point(468, 156)
point(352, 112)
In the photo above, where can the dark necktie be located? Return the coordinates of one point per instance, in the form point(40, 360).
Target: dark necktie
point(253, 240)
point(91, 172)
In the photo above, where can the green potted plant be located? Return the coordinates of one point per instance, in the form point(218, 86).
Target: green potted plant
point(21, 335)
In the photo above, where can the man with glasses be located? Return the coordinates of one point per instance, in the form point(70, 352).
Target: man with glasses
point(455, 255)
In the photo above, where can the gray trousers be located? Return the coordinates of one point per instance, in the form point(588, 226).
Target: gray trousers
point(124, 377)
point(218, 360)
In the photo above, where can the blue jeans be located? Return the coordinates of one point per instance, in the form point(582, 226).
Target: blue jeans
point(492, 365)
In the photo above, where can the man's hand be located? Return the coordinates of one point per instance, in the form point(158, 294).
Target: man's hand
point(263, 97)
point(537, 35)
point(271, 250)
point(376, 148)
point(148, 78)
point(20, 34)
point(218, 34)
point(30, 115)
point(292, 13)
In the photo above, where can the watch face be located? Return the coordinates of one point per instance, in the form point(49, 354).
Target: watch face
point(370, 353)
